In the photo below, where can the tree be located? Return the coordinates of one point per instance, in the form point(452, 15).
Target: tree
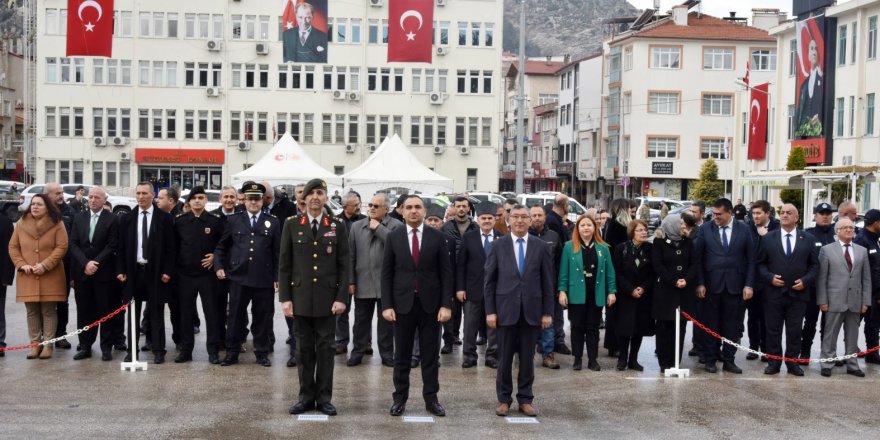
point(708, 188)
point(797, 160)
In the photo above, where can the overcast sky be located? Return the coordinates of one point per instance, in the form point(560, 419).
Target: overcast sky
point(722, 8)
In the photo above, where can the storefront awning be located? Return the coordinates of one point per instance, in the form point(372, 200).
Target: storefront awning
point(775, 179)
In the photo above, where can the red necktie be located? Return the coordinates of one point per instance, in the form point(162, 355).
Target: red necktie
point(847, 257)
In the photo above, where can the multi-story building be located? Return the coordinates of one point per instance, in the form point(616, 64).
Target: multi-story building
point(197, 91)
point(11, 85)
point(541, 88)
point(671, 99)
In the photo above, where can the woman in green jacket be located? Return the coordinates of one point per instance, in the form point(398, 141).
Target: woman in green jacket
point(586, 284)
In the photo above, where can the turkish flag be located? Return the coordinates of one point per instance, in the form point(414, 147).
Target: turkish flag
point(288, 18)
point(90, 27)
point(410, 29)
point(758, 122)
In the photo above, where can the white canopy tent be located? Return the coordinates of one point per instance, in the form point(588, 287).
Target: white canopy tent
point(286, 164)
point(392, 165)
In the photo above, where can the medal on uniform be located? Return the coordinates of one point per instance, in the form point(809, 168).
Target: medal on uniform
point(207, 231)
point(300, 233)
point(329, 250)
point(333, 225)
point(267, 223)
point(325, 221)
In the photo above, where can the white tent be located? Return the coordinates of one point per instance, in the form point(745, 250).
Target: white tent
point(393, 165)
point(286, 164)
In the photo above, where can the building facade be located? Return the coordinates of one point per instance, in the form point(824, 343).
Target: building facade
point(195, 93)
point(11, 85)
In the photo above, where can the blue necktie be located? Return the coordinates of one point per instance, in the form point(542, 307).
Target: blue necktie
point(486, 244)
point(522, 256)
point(787, 245)
point(724, 241)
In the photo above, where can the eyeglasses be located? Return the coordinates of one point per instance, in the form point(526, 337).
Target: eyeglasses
point(375, 206)
point(519, 217)
point(846, 228)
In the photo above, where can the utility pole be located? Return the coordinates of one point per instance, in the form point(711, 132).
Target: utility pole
point(521, 100)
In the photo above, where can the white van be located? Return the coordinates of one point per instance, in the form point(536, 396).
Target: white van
point(542, 198)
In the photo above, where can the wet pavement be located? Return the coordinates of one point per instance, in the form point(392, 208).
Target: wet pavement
point(63, 398)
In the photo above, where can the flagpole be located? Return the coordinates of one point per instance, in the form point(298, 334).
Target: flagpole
point(747, 87)
point(520, 101)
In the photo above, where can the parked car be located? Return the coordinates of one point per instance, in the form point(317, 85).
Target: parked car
point(484, 196)
point(575, 209)
point(9, 199)
point(120, 205)
point(654, 205)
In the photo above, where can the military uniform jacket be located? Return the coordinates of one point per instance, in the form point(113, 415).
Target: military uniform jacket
point(314, 270)
point(196, 237)
point(249, 256)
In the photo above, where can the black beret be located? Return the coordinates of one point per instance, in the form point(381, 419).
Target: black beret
point(195, 191)
point(314, 184)
point(435, 210)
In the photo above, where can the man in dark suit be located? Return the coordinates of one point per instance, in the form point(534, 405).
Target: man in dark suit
point(551, 340)
point(247, 254)
point(787, 266)
point(7, 274)
point(519, 303)
point(469, 270)
point(56, 194)
point(92, 245)
point(728, 252)
point(146, 260)
point(869, 238)
point(762, 223)
point(314, 267)
point(417, 283)
point(304, 43)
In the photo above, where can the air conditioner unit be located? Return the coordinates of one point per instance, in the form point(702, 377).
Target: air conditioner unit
point(262, 49)
point(212, 92)
point(438, 149)
point(119, 141)
point(354, 96)
point(464, 150)
point(214, 45)
point(377, 3)
point(339, 95)
point(372, 148)
point(436, 98)
point(99, 142)
point(125, 156)
point(244, 146)
point(442, 50)
point(350, 148)
point(440, 2)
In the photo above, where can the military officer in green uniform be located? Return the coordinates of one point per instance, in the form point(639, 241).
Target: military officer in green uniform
point(313, 277)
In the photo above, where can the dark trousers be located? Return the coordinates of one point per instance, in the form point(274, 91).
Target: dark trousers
point(94, 300)
point(188, 289)
point(342, 328)
point(362, 331)
point(629, 349)
point(666, 342)
point(872, 327)
point(585, 320)
point(221, 305)
point(811, 321)
point(291, 335)
point(62, 309)
point(315, 341)
point(723, 313)
point(558, 325)
point(2, 315)
point(405, 328)
point(756, 327)
point(519, 338)
point(174, 312)
point(154, 315)
point(782, 310)
point(474, 315)
point(262, 302)
point(451, 328)
point(610, 333)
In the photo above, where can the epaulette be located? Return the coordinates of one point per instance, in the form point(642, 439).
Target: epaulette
point(181, 215)
point(214, 214)
point(270, 215)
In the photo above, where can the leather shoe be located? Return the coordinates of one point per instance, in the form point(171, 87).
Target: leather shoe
point(447, 348)
point(369, 351)
point(214, 358)
point(693, 352)
point(159, 358)
point(873, 358)
point(731, 367)
point(388, 363)
point(528, 410)
point(435, 408)
point(711, 368)
point(106, 355)
point(397, 409)
point(636, 366)
point(327, 408)
point(469, 363)
point(773, 369)
point(341, 349)
point(502, 409)
point(63, 344)
point(562, 349)
point(414, 363)
point(127, 358)
point(229, 360)
point(481, 341)
point(291, 362)
point(621, 365)
point(550, 362)
point(301, 407)
point(838, 363)
point(593, 365)
point(457, 341)
point(826, 372)
point(795, 370)
point(354, 361)
point(577, 365)
point(183, 357)
point(856, 373)
point(491, 363)
point(751, 356)
point(264, 361)
point(147, 347)
point(120, 346)
point(82, 354)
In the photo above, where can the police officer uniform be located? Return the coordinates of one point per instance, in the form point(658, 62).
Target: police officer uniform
point(248, 254)
point(313, 275)
point(197, 236)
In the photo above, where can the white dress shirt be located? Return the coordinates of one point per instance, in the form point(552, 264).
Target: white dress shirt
point(852, 253)
point(409, 234)
point(782, 234)
point(141, 258)
point(516, 246)
point(729, 232)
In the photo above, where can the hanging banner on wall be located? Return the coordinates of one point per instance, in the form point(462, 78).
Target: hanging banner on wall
point(305, 30)
point(810, 120)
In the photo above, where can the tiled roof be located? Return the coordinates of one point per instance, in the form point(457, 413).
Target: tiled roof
point(540, 67)
point(703, 27)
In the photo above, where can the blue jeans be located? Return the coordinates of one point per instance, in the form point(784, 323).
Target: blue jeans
point(547, 341)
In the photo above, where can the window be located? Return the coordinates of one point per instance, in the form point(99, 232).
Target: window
point(53, 25)
point(144, 24)
point(50, 171)
point(353, 129)
point(475, 34)
point(50, 121)
point(486, 131)
point(459, 131)
point(666, 103)
point(490, 34)
point(429, 130)
point(852, 115)
point(717, 104)
point(869, 114)
point(172, 25)
point(763, 59)
point(64, 171)
point(546, 98)
point(122, 24)
point(235, 127)
point(111, 173)
point(65, 70)
point(792, 57)
point(398, 80)
point(355, 30)
point(665, 57)
point(841, 45)
point(441, 131)
point(308, 128)
point(98, 173)
point(790, 118)
point(663, 147)
point(872, 37)
point(462, 33)
point(414, 130)
point(143, 123)
point(627, 103)
point(718, 58)
point(339, 30)
point(712, 148)
point(855, 38)
point(416, 80)
point(77, 171)
point(171, 124)
point(841, 102)
point(444, 32)
point(97, 122)
point(373, 32)
point(125, 122)
point(326, 129)
point(628, 58)
point(203, 124)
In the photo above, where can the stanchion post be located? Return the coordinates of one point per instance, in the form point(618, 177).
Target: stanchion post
point(677, 371)
point(134, 365)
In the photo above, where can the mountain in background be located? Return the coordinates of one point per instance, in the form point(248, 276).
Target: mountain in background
point(561, 27)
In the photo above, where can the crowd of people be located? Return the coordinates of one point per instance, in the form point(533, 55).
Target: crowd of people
point(507, 272)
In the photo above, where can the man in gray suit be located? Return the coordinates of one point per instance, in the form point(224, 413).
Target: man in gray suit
point(843, 292)
point(367, 250)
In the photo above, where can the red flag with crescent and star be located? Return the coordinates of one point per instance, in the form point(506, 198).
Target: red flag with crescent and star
point(758, 122)
point(90, 28)
point(410, 28)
